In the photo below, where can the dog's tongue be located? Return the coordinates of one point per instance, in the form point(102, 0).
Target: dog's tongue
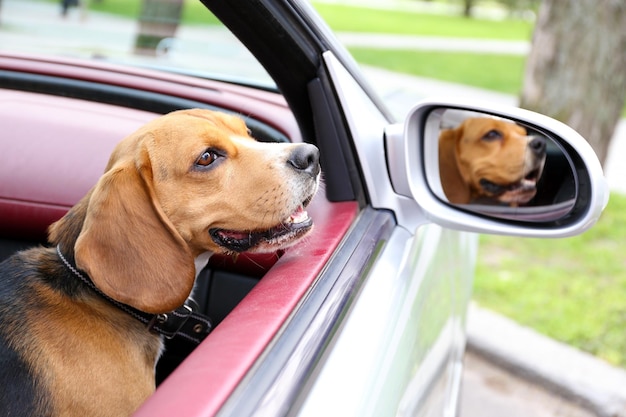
point(298, 216)
point(232, 234)
point(289, 229)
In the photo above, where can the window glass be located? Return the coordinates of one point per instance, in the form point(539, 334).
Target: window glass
point(172, 35)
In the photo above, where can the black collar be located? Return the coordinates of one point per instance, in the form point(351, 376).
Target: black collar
point(182, 322)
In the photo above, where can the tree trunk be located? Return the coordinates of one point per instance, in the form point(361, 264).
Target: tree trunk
point(576, 70)
point(158, 22)
point(467, 8)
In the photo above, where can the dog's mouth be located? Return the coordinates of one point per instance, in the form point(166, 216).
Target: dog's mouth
point(280, 236)
point(519, 192)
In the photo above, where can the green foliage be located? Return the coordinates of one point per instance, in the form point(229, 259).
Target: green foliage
point(571, 289)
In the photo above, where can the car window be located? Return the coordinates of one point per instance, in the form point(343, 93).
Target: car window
point(172, 35)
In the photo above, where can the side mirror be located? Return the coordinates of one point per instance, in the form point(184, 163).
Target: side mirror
point(488, 169)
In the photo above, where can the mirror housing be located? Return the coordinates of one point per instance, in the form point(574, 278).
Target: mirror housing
point(571, 190)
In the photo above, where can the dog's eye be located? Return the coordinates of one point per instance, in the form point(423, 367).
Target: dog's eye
point(207, 158)
point(492, 135)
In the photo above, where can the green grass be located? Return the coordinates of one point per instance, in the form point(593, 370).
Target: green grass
point(193, 12)
point(124, 8)
point(343, 18)
point(571, 289)
point(503, 73)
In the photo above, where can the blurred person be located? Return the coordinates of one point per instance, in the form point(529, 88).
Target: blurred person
point(65, 6)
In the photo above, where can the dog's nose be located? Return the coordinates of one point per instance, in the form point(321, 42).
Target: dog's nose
point(305, 158)
point(538, 145)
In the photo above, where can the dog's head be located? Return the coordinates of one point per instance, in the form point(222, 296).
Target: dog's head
point(495, 159)
point(186, 183)
point(223, 191)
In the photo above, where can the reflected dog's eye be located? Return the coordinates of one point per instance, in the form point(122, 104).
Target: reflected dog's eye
point(492, 135)
point(208, 158)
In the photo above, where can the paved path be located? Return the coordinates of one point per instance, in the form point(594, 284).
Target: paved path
point(490, 391)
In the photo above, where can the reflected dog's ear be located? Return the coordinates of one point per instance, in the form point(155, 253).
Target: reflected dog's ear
point(128, 246)
point(456, 189)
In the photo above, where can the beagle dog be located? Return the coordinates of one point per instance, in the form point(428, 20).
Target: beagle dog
point(71, 339)
point(490, 161)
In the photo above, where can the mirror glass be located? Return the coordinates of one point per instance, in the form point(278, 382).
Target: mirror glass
point(498, 167)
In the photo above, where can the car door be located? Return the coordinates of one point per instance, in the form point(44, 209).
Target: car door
point(401, 346)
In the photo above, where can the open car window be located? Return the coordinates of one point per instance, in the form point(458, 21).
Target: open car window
point(68, 95)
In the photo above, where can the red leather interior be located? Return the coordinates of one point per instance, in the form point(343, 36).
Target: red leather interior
point(53, 150)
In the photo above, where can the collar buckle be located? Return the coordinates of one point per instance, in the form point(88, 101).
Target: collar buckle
point(169, 324)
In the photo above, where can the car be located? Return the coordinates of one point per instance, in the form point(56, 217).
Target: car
point(367, 316)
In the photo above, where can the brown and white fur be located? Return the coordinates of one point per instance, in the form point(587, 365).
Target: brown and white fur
point(186, 183)
point(487, 160)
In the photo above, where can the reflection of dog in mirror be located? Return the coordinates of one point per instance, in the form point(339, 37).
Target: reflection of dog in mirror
point(490, 161)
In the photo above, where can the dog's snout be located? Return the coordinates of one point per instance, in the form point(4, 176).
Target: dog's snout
point(538, 145)
point(305, 158)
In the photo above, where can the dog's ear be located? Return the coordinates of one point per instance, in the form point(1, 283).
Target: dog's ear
point(452, 182)
point(127, 245)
